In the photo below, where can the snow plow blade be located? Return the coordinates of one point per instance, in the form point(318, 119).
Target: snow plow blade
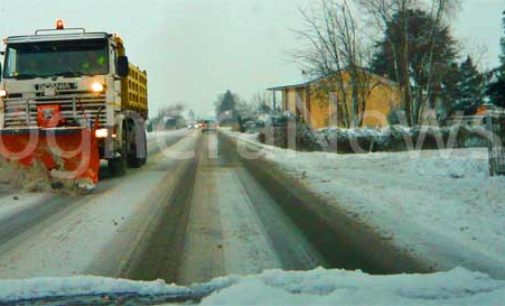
point(69, 155)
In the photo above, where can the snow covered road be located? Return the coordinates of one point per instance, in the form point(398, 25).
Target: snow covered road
point(226, 223)
point(209, 212)
point(230, 222)
point(200, 209)
point(53, 234)
point(185, 217)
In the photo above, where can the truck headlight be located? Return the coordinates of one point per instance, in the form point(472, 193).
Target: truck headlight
point(101, 133)
point(104, 133)
point(3, 93)
point(97, 87)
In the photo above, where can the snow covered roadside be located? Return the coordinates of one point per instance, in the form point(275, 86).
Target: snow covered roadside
point(337, 287)
point(317, 287)
point(249, 137)
point(249, 143)
point(440, 206)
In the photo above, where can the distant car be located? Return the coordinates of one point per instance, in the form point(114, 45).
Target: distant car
point(209, 126)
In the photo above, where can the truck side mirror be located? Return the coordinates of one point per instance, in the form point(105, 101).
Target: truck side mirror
point(123, 67)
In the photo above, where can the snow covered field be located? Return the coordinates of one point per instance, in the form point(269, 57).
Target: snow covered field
point(440, 206)
point(317, 287)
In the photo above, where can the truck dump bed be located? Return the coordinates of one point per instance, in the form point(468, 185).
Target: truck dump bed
point(134, 87)
point(135, 96)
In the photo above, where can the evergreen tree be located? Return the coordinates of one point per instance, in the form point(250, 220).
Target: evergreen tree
point(226, 107)
point(419, 29)
point(226, 103)
point(470, 88)
point(426, 39)
point(496, 88)
point(450, 92)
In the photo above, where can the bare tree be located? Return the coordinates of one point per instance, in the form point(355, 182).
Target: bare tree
point(383, 13)
point(336, 53)
point(260, 102)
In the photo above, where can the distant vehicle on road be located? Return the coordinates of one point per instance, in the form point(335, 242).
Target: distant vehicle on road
point(209, 125)
point(174, 123)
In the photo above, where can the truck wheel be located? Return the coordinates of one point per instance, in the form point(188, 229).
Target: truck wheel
point(135, 161)
point(144, 160)
point(119, 165)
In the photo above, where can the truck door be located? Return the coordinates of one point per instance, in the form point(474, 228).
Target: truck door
point(117, 80)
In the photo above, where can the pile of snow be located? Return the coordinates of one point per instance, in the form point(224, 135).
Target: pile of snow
point(390, 139)
point(400, 138)
point(248, 137)
point(40, 288)
point(317, 287)
point(440, 206)
point(451, 163)
point(320, 287)
point(21, 178)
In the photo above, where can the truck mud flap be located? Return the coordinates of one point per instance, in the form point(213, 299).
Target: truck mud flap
point(70, 155)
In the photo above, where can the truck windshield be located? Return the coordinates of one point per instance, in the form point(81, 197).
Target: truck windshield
point(65, 58)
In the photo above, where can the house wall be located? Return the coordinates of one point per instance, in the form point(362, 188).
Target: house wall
point(323, 109)
point(291, 100)
point(313, 113)
point(320, 108)
point(382, 101)
point(383, 98)
point(285, 100)
point(296, 101)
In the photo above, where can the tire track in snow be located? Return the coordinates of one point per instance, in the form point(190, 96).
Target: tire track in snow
point(220, 221)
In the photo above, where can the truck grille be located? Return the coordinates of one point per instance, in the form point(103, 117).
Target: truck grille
point(21, 112)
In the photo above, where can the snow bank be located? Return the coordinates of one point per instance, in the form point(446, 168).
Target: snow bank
point(248, 137)
point(39, 288)
point(363, 140)
point(320, 287)
point(440, 206)
point(400, 138)
point(317, 287)
point(20, 178)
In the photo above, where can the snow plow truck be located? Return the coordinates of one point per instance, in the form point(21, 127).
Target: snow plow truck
point(69, 99)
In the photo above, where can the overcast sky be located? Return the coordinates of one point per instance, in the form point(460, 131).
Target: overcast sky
point(195, 49)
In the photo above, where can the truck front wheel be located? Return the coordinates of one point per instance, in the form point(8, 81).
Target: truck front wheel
point(138, 152)
point(119, 165)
